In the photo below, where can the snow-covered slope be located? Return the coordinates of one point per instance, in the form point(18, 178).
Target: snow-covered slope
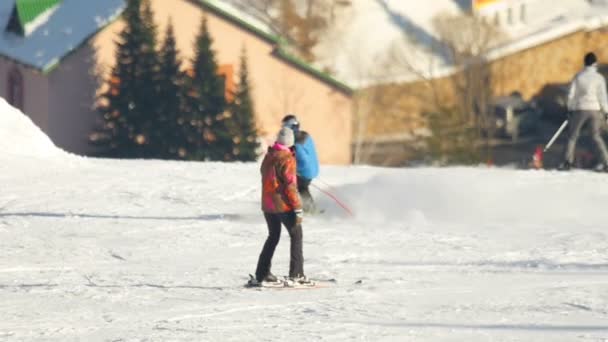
point(20, 137)
point(107, 250)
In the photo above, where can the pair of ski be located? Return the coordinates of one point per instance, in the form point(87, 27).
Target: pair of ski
point(283, 283)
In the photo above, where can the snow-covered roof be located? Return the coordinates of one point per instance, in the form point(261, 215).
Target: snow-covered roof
point(68, 25)
point(236, 12)
point(368, 33)
point(57, 33)
point(546, 21)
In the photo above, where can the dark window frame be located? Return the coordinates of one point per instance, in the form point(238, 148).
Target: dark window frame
point(15, 88)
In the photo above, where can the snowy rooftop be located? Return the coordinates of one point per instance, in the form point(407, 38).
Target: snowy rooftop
point(66, 26)
point(368, 32)
point(60, 32)
point(236, 10)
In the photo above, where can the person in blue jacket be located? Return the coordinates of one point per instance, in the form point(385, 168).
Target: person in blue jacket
point(307, 162)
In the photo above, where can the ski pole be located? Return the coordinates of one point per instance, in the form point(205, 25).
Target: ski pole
point(559, 131)
point(330, 195)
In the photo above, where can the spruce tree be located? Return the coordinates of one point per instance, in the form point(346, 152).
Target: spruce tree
point(148, 87)
point(171, 118)
point(128, 106)
point(245, 135)
point(208, 134)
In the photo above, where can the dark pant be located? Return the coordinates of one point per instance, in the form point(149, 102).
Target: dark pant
point(577, 121)
point(308, 204)
point(296, 263)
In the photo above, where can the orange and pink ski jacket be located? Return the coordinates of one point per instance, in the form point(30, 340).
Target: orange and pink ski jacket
point(279, 181)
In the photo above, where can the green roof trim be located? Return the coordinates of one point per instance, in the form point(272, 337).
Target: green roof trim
point(280, 50)
point(29, 10)
point(231, 17)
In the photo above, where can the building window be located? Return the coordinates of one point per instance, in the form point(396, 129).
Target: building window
point(510, 15)
point(497, 19)
point(522, 13)
point(15, 88)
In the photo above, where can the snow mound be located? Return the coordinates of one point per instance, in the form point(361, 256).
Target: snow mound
point(477, 196)
point(20, 137)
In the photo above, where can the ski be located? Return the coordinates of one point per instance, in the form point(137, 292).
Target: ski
point(287, 284)
point(252, 282)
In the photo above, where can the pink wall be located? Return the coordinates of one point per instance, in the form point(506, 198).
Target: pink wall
point(35, 91)
point(72, 97)
point(61, 102)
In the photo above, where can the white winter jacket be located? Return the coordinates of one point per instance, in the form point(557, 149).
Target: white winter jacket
point(588, 91)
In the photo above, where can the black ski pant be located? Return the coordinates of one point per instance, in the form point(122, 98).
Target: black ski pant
point(308, 203)
point(296, 261)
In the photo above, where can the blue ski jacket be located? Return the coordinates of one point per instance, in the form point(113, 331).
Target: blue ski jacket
point(306, 156)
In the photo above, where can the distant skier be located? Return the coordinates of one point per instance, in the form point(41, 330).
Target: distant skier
point(307, 161)
point(587, 101)
point(281, 205)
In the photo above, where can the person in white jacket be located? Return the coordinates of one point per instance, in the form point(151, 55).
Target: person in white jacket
point(587, 102)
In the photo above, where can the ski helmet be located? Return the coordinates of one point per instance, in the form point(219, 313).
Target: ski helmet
point(292, 122)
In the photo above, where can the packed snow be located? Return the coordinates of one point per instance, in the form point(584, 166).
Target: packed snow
point(20, 138)
point(134, 250)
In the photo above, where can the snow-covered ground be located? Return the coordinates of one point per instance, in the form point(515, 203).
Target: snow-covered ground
point(107, 250)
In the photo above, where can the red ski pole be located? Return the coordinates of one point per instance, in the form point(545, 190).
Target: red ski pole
point(330, 195)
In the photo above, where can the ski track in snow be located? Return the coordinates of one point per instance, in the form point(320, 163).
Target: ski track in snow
point(149, 250)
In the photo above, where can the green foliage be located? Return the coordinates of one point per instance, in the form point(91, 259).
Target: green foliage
point(130, 107)
point(453, 140)
point(152, 109)
point(207, 133)
point(243, 117)
point(171, 116)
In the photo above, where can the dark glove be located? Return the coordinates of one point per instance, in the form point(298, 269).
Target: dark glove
point(299, 216)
